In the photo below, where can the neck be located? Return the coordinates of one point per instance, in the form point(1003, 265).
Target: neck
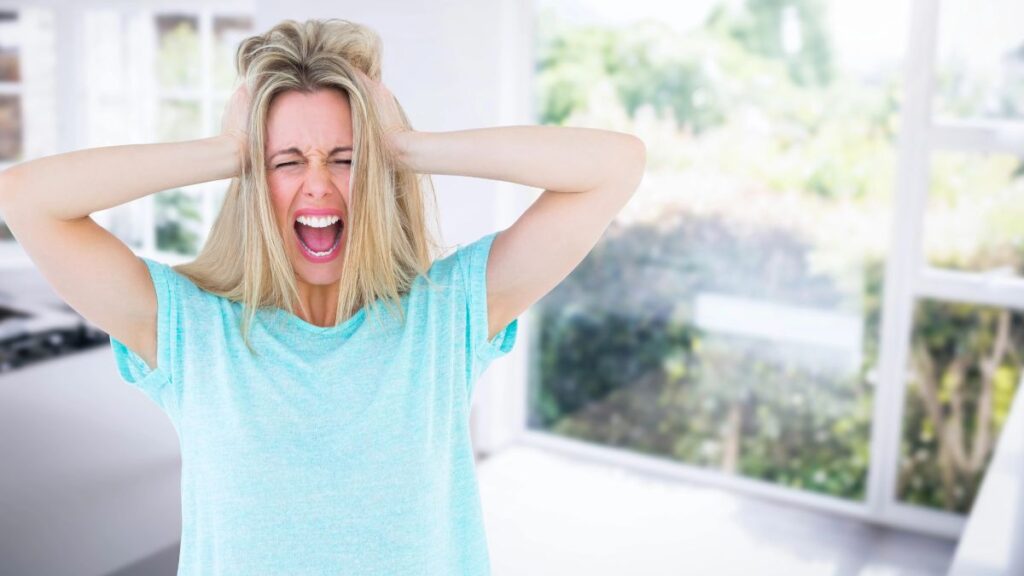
point(320, 303)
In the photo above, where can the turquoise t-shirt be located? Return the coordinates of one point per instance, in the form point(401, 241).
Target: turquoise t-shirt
point(339, 450)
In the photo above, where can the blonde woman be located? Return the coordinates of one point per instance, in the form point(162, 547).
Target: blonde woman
point(314, 440)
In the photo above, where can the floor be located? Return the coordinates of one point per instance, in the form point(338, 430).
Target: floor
point(550, 514)
point(546, 513)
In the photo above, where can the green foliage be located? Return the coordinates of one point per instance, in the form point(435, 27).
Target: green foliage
point(175, 210)
point(760, 26)
point(619, 358)
point(647, 65)
point(739, 119)
point(179, 52)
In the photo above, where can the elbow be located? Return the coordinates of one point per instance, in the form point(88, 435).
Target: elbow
point(638, 155)
point(641, 153)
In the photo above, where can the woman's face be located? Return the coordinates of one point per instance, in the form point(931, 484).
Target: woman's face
point(309, 159)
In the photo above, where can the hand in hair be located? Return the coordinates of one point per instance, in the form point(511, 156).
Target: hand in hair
point(234, 123)
point(392, 118)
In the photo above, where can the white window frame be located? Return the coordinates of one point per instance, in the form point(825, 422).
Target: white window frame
point(908, 279)
point(68, 22)
point(208, 97)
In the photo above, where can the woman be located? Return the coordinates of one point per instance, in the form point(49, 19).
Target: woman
point(312, 441)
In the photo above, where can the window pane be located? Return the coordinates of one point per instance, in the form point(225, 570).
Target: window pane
point(729, 317)
point(178, 221)
point(975, 215)
point(10, 68)
point(178, 64)
point(10, 128)
point(179, 120)
point(228, 33)
point(980, 65)
point(965, 365)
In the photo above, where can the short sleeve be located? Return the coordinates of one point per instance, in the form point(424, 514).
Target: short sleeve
point(481, 352)
point(155, 383)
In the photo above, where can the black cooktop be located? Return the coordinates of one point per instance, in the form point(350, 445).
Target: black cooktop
point(30, 334)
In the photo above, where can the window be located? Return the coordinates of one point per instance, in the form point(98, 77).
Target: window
point(962, 335)
point(168, 76)
point(10, 95)
point(195, 71)
point(27, 95)
point(753, 311)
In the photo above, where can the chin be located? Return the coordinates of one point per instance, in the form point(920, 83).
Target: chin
point(318, 274)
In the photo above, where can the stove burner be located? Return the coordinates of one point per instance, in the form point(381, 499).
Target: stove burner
point(27, 338)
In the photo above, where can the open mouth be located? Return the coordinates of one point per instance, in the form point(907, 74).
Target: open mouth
point(319, 236)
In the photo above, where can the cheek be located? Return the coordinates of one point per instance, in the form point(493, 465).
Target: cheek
point(280, 199)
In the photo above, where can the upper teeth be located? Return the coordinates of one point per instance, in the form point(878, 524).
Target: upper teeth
point(317, 221)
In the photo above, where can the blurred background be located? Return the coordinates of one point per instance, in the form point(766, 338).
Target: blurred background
point(795, 351)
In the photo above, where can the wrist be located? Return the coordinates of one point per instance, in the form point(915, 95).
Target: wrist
point(227, 151)
point(404, 145)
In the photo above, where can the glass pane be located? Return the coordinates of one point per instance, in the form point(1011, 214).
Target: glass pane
point(178, 63)
point(966, 363)
point(10, 68)
point(10, 128)
point(729, 316)
point(980, 64)
point(228, 33)
point(975, 215)
point(178, 221)
point(179, 120)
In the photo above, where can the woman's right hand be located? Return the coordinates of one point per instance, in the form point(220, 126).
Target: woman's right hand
point(234, 123)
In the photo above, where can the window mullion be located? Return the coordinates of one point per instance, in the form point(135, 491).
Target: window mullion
point(905, 256)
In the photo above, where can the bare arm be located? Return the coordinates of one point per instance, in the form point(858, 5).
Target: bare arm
point(588, 174)
point(76, 184)
point(566, 159)
point(47, 203)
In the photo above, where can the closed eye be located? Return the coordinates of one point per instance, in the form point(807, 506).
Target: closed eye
point(294, 162)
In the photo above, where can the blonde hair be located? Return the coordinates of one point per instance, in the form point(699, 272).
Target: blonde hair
point(388, 243)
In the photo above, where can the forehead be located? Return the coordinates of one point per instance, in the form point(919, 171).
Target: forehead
point(320, 119)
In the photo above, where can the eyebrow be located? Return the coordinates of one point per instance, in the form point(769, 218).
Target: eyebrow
point(294, 150)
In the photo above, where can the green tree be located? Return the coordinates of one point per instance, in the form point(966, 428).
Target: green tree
point(760, 26)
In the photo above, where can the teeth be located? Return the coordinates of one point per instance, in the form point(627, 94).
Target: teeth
point(317, 221)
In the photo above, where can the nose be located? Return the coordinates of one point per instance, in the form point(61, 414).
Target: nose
point(318, 180)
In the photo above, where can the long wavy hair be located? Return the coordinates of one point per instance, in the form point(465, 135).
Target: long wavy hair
point(388, 244)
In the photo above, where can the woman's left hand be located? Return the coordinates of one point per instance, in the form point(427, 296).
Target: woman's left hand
point(391, 120)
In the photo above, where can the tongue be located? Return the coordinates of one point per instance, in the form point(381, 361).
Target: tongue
point(318, 239)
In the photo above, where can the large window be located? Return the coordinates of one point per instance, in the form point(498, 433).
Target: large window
point(736, 315)
point(965, 336)
point(167, 77)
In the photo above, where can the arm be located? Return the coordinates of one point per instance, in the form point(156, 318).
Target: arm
point(47, 205)
point(75, 184)
point(588, 176)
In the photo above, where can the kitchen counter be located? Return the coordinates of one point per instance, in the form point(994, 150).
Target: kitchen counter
point(91, 469)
